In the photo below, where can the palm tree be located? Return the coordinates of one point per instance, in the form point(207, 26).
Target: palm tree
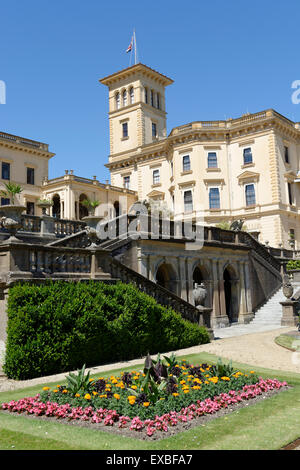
point(90, 205)
point(12, 189)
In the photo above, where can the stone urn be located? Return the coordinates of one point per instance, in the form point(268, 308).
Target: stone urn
point(12, 220)
point(92, 222)
point(199, 294)
point(287, 289)
point(44, 205)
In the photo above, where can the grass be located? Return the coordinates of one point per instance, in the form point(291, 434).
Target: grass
point(288, 342)
point(269, 424)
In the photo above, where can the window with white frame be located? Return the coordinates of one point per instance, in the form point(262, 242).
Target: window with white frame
point(188, 201)
point(186, 163)
point(247, 154)
point(154, 129)
point(125, 129)
point(152, 98)
point(131, 94)
point(124, 98)
point(214, 198)
point(156, 177)
point(250, 194)
point(212, 161)
point(126, 182)
point(118, 101)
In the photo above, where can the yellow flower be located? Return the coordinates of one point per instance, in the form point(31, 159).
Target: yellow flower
point(252, 372)
point(175, 394)
point(182, 382)
point(146, 403)
point(116, 396)
point(87, 396)
point(186, 391)
point(136, 377)
point(46, 388)
point(225, 378)
point(131, 399)
point(65, 391)
point(196, 387)
point(95, 393)
point(134, 387)
point(77, 395)
point(55, 391)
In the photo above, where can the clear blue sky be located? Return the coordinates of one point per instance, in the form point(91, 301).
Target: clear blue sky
point(226, 58)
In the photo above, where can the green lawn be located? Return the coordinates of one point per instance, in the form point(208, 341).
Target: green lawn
point(270, 424)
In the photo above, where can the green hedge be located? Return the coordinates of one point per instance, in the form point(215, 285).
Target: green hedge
point(60, 325)
point(293, 264)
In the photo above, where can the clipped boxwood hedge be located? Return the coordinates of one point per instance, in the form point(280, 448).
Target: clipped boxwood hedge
point(61, 325)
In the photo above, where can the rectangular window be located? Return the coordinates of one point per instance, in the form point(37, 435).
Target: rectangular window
point(126, 182)
point(212, 161)
point(286, 155)
point(250, 195)
point(154, 129)
point(5, 201)
point(125, 129)
point(5, 171)
point(188, 201)
point(186, 163)
point(30, 175)
point(214, 198)
point(156, 176)
point(30, 208)
point(290, 193)
point(152, 98)
point(247, 156)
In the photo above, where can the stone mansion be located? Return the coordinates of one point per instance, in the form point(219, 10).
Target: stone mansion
point(215, 171)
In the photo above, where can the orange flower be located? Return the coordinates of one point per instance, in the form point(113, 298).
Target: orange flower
point(146, 403)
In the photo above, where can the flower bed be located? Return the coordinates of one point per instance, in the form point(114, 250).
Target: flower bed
point(156, 399)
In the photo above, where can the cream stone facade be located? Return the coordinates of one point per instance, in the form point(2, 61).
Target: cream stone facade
point(25, 162)
point(211, 171)
point(207, 171)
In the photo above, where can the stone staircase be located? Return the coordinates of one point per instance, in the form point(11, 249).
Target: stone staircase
point(267, 318)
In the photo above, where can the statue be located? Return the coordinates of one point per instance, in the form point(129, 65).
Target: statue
point(237, 225)
point(199, 295)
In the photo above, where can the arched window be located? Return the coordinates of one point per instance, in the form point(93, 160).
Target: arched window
point(118, 101)
point(124, 98)
point(131, 95)
point(152, 98)
point(158, 100)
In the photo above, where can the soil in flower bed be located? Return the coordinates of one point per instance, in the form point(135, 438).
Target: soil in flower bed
point(158, 435)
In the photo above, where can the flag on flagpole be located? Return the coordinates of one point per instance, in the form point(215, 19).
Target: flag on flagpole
point(129, 48)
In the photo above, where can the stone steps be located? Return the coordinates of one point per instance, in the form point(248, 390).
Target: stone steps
point(267, 318)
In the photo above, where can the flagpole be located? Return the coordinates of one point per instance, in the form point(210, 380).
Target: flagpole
point(134, 46)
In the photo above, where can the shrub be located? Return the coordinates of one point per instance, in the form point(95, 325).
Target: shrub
point(61, 325)
point(293, 264)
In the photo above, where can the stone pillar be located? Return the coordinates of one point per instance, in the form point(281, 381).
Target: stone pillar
point(289, 315)
point(219, 316)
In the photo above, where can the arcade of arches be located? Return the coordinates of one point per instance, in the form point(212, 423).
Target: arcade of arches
point(237, 280)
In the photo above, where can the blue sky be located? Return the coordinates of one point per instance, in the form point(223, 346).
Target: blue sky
point(226, 58)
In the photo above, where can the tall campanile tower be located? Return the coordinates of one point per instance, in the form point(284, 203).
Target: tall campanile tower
point(137, 112)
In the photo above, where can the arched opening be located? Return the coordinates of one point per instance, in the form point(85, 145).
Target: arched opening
point(166, 277)
point(230, 279)
point(83, 211)
point(201, 276)
point(56, 206)
point(117, 208)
